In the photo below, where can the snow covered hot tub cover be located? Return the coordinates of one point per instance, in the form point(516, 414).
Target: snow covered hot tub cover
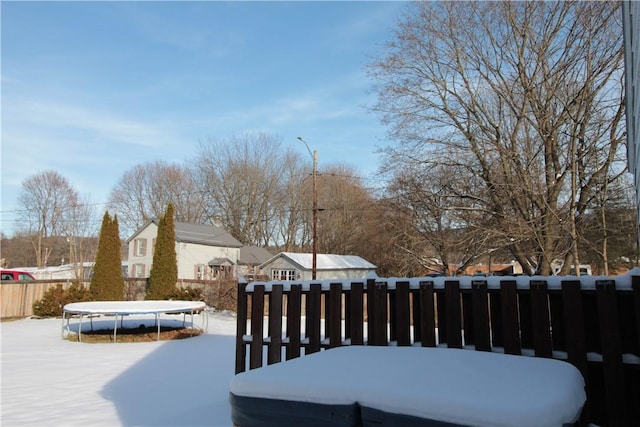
point(125, 308)
point(409, 386)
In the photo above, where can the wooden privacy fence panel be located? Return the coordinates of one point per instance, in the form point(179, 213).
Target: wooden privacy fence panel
point(590, 322)
point(17, 298)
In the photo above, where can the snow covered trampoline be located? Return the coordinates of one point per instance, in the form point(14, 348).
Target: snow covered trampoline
point(408, 386)
point(120, 309)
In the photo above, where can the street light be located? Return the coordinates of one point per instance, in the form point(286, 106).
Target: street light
point(315, 209)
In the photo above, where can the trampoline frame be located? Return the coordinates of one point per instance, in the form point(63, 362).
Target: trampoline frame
point(128, 308)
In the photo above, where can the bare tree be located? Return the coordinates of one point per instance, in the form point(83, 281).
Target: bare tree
point(248, 180)
point(144, 192)
point(16, 251)
point(390, 242)
point(343, 205)
point(79, 232)
point(449, 232)
point(292, 211)
point(47, 202)
point(526, 97)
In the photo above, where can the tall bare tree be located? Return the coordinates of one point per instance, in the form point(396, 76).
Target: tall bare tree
point(144, 192)
point(293, 211)
point(246, 177)
point(47, 202)
point(524, 96)
point(79, 231)
point(344, 205)
point(448, 233)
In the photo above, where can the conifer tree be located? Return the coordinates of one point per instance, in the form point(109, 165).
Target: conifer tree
point(107, 283)
point(164, 269)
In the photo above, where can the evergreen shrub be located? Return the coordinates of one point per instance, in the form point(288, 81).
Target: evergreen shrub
point(164, 269)
point(107, 283)
point(56, 298)
point(186, 294)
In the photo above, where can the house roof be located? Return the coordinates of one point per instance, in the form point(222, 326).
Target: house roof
point(202, 234)
point(219, 262)
point(253, 255)
point(325, 261)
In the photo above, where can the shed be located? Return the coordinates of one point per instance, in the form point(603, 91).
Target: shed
point(298, 266)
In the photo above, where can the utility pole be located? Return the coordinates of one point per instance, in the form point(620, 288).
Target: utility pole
point(314, 264)
point(315, 216)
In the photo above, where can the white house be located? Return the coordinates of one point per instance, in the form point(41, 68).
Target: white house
point(631, 31)
point(204, 252)
point(298, 266)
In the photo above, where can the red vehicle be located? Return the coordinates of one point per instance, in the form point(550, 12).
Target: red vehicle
point(16, 275)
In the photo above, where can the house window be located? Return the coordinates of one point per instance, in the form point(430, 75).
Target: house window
point(138, 270)
point(283, 274)
point(201, 270)
point(140, 247)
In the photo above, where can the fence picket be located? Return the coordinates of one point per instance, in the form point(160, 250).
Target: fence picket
point(294, 315)
point(356, 320)
point(274, 352)
point(454, 313)
point(335, 315)
point(403, 314)
point(540, 326)
point(480, 315)
point(468, 330)
point(257, 327)
point(576, 346)
point(428, 315)
point(313, 318)
point(510, 319)
point(611, 352)
point(241, 329)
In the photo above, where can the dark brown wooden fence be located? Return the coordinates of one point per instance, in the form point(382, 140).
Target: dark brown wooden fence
point(591, 322)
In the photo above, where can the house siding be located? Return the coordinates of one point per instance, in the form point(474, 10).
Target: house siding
point(630, 21)
point(149, 234)
point(191, 255)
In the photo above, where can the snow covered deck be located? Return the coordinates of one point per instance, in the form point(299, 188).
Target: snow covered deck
point(590, 322)
point(369, 385)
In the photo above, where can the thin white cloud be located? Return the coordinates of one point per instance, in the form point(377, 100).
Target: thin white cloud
point(95, 124)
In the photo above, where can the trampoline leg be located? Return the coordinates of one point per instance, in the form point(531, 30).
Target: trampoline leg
point(115, 329)
point(80, 329)
point(63, 313)
point(158, 323)
point(191, 322)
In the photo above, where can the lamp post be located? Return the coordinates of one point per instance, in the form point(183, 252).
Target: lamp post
point(315, 209)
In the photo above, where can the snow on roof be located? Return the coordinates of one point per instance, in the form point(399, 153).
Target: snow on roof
point(326, 261)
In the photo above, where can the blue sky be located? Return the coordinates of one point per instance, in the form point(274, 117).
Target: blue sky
point(91, 89)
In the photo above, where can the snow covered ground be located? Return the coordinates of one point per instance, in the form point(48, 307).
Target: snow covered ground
point(48, 381)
